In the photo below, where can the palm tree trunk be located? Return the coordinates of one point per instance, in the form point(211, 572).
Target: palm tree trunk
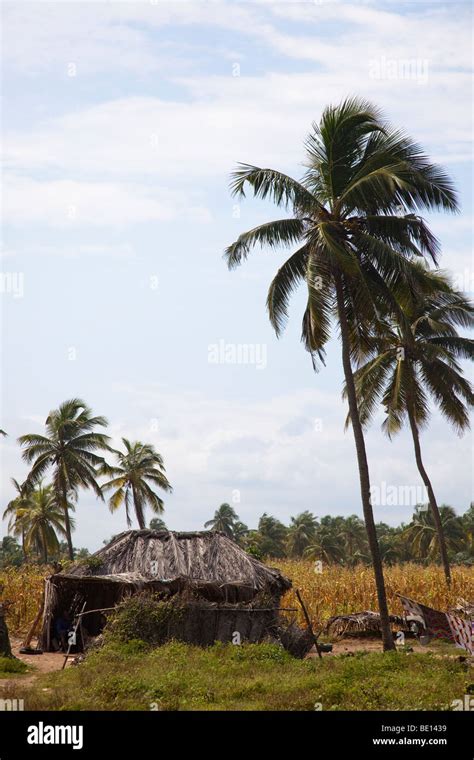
point(387, 636)
point(67, 523)
point(138, 512)
point(44, 546)
point(23, 544)
point(431, 497)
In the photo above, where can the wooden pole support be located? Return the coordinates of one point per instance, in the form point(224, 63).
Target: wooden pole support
point(308, 623)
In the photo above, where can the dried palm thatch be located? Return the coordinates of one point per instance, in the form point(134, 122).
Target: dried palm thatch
point(206, 564)
point(463, 608)
point(366, 623)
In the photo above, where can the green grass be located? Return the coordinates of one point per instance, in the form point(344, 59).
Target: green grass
point(249, 677)
point(9, 665)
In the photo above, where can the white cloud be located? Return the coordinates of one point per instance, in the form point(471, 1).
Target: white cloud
point(66, 203)
point(261, 120)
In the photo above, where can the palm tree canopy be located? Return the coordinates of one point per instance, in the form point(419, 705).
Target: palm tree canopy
point(21, 501)
point(69, 446)
point(422, 359)
point(225, 520)
point(137, 467)
point(355, 211)
point(422, 536)
point(43, 519)
point(301, 532)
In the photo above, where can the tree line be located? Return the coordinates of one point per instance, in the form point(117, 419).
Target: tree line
point(330, 540)
point(343, 540)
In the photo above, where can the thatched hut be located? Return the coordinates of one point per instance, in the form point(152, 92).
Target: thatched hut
point(237, 591)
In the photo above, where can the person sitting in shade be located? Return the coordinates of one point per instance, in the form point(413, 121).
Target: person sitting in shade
point(62, 627)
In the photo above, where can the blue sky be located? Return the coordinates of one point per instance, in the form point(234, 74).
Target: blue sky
point(121, 124)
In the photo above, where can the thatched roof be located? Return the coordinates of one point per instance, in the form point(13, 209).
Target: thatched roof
point(206, 560)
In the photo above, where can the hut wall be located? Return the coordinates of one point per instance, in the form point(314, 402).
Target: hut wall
point(204, 625)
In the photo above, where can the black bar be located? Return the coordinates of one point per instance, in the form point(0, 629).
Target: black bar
point(445, 734)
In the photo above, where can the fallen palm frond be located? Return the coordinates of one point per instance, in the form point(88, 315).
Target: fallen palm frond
point(358, 624)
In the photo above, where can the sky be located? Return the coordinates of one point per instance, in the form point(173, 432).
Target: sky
point(121, 124)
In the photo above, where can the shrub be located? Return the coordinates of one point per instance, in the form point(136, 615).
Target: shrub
point(145, 618)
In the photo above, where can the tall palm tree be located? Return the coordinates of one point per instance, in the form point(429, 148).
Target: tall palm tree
point(417, 359)
point(301, 533)
point(326, 545)
point(271, 536)
point(468, 524)
point(354, 538)
point(225, 518)
point(156, 523)
point(137, 467)
point(43, 519)
point(354, 214)
point(422, 532)
point(21, 502)
point(69, 448)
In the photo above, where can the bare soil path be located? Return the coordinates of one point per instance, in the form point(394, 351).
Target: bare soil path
point(42, 663)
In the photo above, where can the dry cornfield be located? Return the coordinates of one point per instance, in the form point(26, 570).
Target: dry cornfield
point(24, 587)
point(341, 590)
point(334, 591)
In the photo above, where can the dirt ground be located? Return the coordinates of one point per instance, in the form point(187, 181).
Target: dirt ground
point(42, 663)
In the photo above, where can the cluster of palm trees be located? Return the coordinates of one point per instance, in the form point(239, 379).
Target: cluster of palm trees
point(364, 255)
point(343, 540)
point(72, 451)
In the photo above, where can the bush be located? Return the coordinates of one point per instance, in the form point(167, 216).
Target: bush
point(144, 618)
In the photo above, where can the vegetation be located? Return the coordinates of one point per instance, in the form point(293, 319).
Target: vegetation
point(363, 257)
point(225, 519)
point(145, 617)
point(343, 540)
point(355, 217)
point(327, 589)
point(69, 449)
point(138, 466)
point(411, 358)
point(133, 676)
point(40, 515)
point(9, 665)
point(156, 523)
